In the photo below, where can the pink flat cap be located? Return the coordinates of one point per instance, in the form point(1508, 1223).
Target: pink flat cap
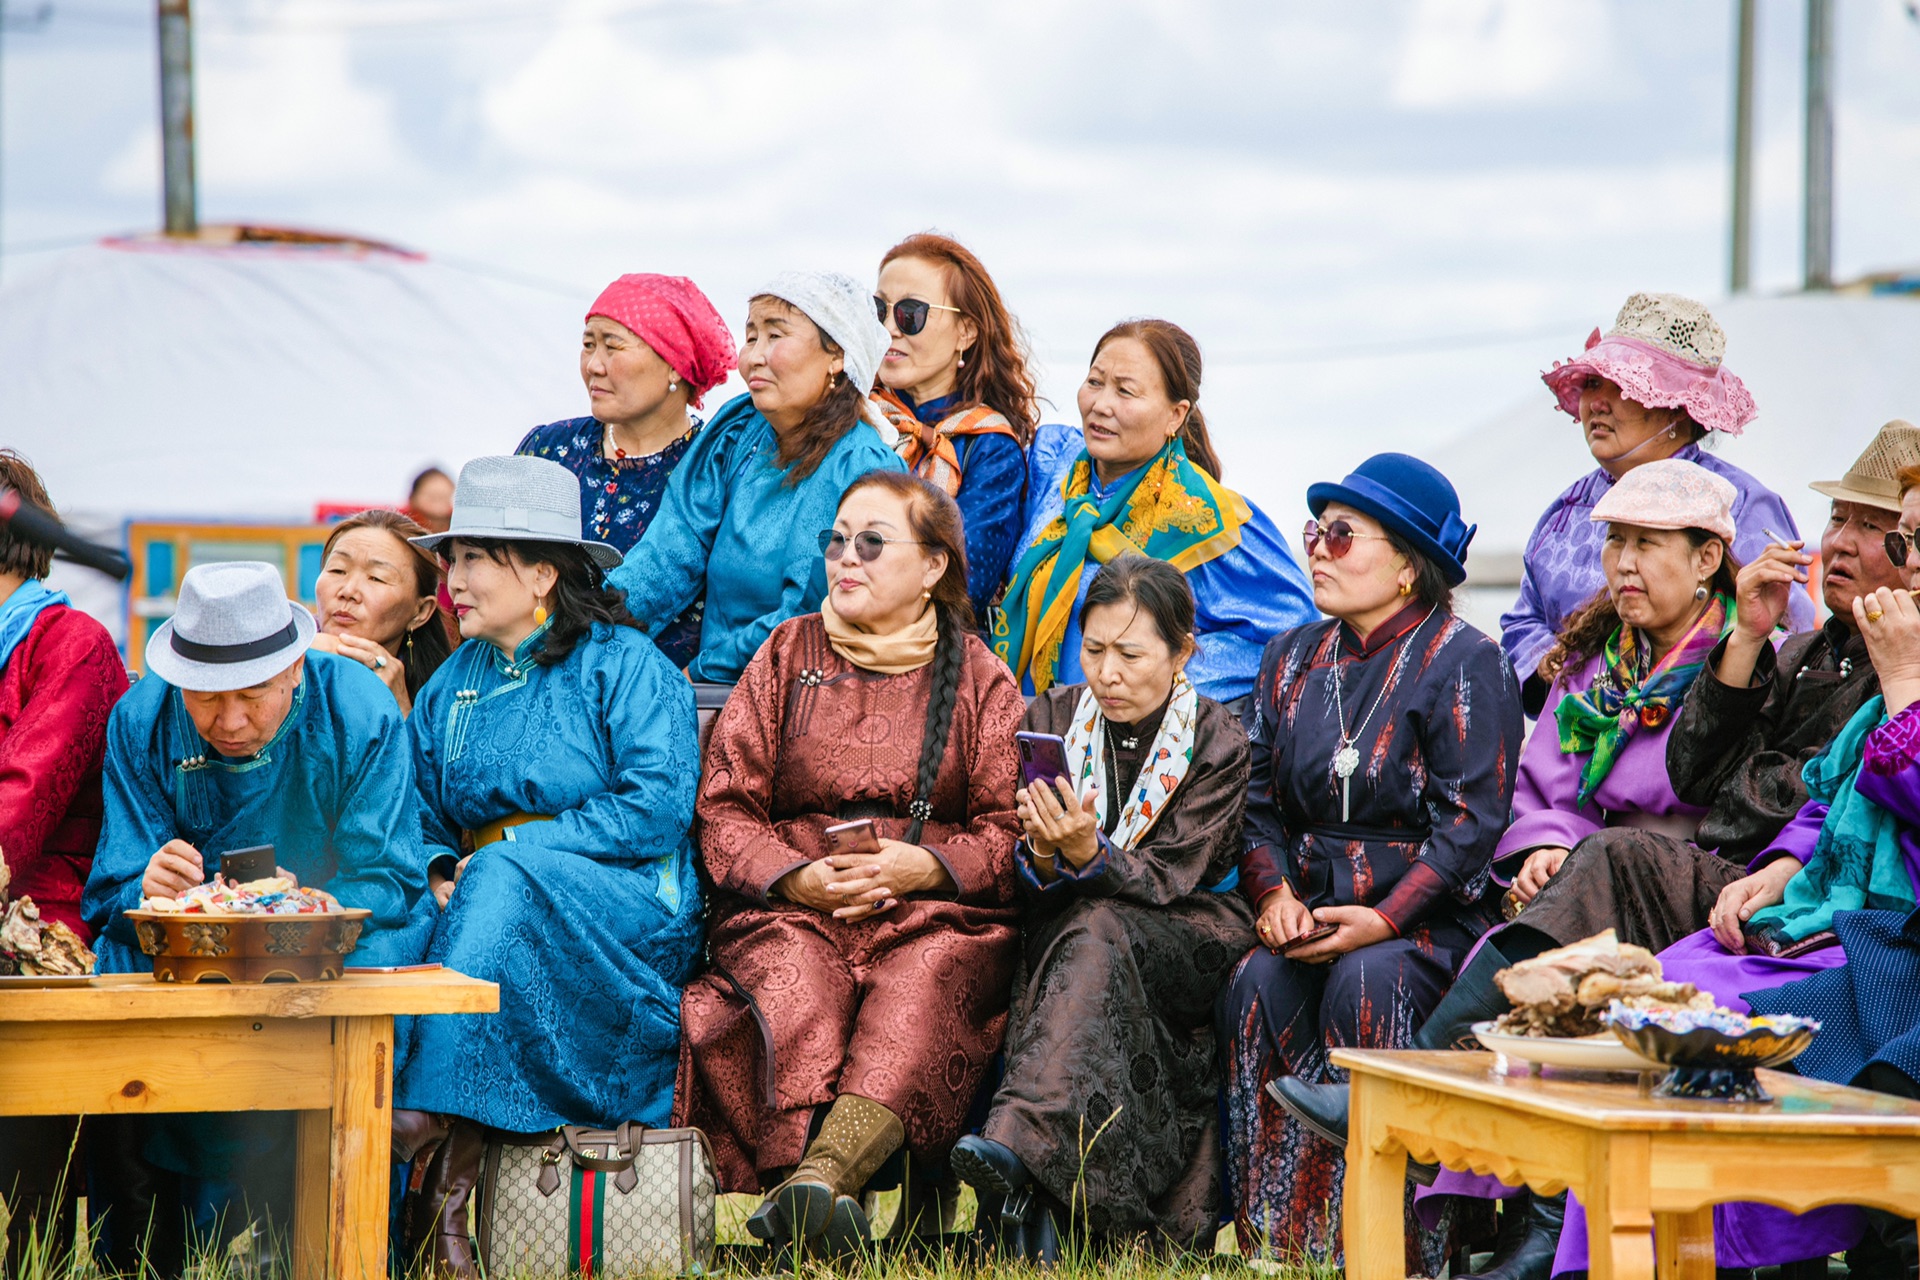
point(1670, 494)
point(1663, 352)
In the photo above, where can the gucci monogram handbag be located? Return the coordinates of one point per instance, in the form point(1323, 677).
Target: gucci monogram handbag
point(595, 1202)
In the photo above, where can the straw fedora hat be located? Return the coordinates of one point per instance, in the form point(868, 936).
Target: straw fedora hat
point(1873, 479)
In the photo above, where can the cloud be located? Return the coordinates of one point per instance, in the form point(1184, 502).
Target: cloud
point(1459, 53)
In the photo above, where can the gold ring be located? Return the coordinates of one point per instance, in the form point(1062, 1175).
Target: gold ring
point(1874, 615)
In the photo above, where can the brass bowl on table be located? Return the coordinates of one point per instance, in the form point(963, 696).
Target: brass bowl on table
point(207, 947)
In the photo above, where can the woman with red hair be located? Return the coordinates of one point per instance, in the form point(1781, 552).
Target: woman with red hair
point(954, 383)
point(653, 346)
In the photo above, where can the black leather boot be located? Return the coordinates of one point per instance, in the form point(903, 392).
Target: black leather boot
point(987, 1166)
point(1473, 997)
point(1532, 1256)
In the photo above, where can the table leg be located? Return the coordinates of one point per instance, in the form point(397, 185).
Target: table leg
point(1684, 1244)
point(1619, 1217)
point(312, 1179)
point(1373, 1200)
point(362, 1143)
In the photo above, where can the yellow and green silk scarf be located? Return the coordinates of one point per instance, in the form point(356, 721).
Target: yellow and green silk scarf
point(1171, 510)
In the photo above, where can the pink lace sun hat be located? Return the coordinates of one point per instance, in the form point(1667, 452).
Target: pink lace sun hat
point(1664, 351)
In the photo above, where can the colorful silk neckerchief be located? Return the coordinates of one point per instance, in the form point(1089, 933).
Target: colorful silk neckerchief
point(1857, 862)
point(928, 448)
point(1170, 510)
point(1160, 773)
point(1625, 695)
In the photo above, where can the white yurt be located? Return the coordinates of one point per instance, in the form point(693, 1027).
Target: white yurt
point(252, 375)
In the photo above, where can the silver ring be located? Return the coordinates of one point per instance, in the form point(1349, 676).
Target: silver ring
point(379, 662)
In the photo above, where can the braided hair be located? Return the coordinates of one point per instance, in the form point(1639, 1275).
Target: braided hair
point(935, 521)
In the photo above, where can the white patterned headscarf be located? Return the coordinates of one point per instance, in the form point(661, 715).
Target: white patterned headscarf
point(844, 311)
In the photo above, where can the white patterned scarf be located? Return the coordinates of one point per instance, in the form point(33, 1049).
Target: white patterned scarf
point(1161, 773)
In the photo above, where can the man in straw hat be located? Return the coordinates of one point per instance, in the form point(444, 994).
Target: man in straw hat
point(1748, 727)
point(238, 738)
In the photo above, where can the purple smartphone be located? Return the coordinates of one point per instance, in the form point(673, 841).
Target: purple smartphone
point(1043, 757)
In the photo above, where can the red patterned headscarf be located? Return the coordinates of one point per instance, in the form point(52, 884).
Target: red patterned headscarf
point(671, 315)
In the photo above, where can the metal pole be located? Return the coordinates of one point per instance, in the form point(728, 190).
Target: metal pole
point(1819, 177)
point(1740, 264)
point(176, 117)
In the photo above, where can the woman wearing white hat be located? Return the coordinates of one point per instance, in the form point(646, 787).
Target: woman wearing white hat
point(556, 764)
point(1654, 387)
point(738, 522)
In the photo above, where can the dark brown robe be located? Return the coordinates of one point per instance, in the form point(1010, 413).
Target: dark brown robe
point(1113, 1012)
point(906, 1008)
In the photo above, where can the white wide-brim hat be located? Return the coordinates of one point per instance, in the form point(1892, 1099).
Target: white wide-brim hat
point(519, 499)
point(232, 629)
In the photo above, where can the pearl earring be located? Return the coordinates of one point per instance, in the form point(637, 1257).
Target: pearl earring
point(963, 362)
point(1700, 592)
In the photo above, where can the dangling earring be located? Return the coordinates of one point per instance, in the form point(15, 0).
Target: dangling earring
point(673, 385)
point(926, 595)
point(1700, 592)
point(408, 657)
point(963, 362)
point(540, 615)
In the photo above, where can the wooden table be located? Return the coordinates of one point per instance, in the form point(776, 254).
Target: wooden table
point(325, 1049)
point(1644, 1167)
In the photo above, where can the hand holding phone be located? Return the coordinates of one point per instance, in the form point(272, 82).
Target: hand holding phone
point(1043, 757)
point(1314, 934)
point(857, 836)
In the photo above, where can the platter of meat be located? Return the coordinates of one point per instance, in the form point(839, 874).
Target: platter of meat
point(1560, 999)
point(40, 953)
point(266, 930)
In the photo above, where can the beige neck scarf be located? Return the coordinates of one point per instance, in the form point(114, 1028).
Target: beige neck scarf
point(907, 649)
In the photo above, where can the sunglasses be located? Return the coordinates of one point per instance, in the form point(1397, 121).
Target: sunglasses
point(910, 314)
point(1897, 544)
point(866, 544)
point(1339, 537)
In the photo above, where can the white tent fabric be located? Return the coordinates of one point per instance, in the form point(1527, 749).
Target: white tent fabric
point(1826, 371)
point(151, 379)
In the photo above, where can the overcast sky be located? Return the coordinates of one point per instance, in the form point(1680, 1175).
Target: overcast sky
point(1381, 218)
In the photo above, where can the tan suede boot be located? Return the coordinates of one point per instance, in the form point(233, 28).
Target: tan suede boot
point(858, 1136)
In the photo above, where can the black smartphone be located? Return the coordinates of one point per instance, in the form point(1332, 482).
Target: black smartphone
point(1043, 757)
point(852, 837)
point(244, 865)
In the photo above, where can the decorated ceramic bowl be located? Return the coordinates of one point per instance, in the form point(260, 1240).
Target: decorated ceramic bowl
point(1713, 1053)
point(211, 947)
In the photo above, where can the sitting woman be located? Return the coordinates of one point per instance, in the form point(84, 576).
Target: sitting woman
point(737, 523)
point(1141, 475)
point(1384, 745)
point(1108, 1106)
point(378, 602)
point(653, 347)
point(552, 757)
point(859, 978)
point(955, 384)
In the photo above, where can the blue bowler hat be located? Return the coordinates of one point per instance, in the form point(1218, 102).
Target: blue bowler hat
point(1413, 500)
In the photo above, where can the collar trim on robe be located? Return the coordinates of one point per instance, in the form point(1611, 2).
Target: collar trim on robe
point(1384, 634)
point(1169, 510)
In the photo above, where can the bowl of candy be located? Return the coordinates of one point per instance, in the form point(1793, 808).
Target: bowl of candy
point(1713, 1053)
point(267, 930)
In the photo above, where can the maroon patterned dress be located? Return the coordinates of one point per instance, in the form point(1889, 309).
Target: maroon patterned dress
point(906, 1008)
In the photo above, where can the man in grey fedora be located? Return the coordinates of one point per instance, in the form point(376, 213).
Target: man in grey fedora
point(239, 737)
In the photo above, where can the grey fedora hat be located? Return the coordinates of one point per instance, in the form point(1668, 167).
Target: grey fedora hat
point(232, 629)
point(518, 499)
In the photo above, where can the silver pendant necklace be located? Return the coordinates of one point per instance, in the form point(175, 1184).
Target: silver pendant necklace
point(1347, 759)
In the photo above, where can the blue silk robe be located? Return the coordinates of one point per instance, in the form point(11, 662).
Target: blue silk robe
point(590, 923)
point(731, 529)
point(332, 792)
point(1241, 599)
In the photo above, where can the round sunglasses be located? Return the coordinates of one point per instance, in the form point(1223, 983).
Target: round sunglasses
point(1897, 544)
point(866, 544)
point(910, 314)
point(1339, 537)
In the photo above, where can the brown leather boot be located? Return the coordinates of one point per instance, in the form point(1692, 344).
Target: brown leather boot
point(445, 1192)
point(415, 1132)
point(858, 1136)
